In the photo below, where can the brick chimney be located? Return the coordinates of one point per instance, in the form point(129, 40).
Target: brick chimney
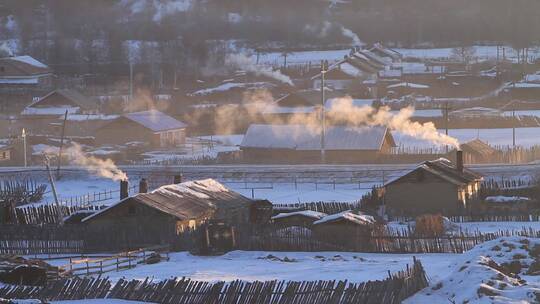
point(459, 160)
point(124, 186)
point(143, 185)
point(177, 179)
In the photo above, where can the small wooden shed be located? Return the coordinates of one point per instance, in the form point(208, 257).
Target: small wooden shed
point(348, 229)
point(304, 218)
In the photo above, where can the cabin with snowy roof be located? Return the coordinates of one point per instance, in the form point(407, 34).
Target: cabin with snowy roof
point(296, 143)
point(433, 187)
point(57, 102)
point(153, 127)
point(302, 218)
point(159, 216)
point(350, 229)
point(24, 72)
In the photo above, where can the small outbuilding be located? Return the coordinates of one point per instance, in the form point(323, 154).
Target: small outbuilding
point(477, 151)
point(153, 127)
point(433, 187)
point(304, 218)
point(348, 229)
point(24, 72)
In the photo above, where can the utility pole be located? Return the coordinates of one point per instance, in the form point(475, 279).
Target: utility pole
point(514, 128)
point(24, 147)
point(324, 68)
point(446, 118)
point(59, 162)
point(130, 80)
point(51, 179)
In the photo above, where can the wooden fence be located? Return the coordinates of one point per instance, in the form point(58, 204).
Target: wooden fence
point(49, 214)
point(392, 290)
point(125, 260)
point(27, 247)
point(479, 218)
point(325, 207)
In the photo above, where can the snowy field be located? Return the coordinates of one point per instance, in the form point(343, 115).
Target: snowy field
point(275, 192)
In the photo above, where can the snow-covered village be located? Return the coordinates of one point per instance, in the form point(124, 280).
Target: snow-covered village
point(246, 151)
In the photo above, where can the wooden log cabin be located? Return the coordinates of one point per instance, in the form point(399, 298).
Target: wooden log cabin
point(160, 216)
point(298, 144)
point(436, 187)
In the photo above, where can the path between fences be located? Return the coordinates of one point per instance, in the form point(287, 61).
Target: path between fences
point(392, 290)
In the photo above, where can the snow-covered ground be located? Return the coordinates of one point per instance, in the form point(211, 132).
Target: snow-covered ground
point(481, 276)
point(262, 265)
point(483, 227)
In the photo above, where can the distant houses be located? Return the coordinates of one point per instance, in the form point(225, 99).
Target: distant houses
point(300, 144)
point(153, 127)
point(432, 187)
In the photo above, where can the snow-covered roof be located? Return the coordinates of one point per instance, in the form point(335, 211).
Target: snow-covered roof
point(226, 86)
point(188, 200)
point(305, 213)
point(357, 218)
point(155, 120)
point(301, 138)
point(355, 102)
point(525, 85)
point(60, 110)
point(506, 199)
point(30, 60)
point(408, 85)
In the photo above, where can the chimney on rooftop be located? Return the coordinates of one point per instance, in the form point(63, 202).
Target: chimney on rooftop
point(124, 186)
point(178, 179)
point(459, 160)
point(143, 185)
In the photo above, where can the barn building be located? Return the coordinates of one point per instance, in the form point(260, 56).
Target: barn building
point(433, 187)
point(299, 144)
point(158, 217)
point(24, 72)
point(153, 127)
point(57, 102)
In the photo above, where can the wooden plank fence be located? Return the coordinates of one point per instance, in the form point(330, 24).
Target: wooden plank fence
point(28, 247)
point(124, 260)
point(48, 214)
point(325, 207)
point(393, 290)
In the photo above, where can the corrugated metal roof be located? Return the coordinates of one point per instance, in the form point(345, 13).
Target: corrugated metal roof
point(299, 137)
point(155, 120)
point(188, 200)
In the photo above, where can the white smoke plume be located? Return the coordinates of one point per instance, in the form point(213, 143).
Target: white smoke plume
point(104, 168)
point(5, 51)
point(343, 111)
point(349, 33)
point(325, 29)
point(241, 61)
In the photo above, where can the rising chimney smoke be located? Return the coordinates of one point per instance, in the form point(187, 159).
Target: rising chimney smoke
point(459, 160)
